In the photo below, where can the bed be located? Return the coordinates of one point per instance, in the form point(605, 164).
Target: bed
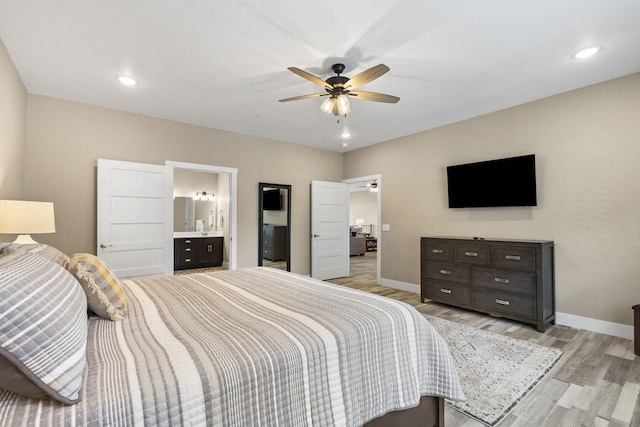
point(248, 347)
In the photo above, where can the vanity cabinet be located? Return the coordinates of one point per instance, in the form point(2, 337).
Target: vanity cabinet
point(197, 252)
point(274, 238)
point(504, 278)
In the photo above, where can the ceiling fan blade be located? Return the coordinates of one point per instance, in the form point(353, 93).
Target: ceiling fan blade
point(310, 77)
point(366, 76)
point(374, 96)
point(295, 98)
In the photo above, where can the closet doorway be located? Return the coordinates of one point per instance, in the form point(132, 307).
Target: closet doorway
point(365, 195)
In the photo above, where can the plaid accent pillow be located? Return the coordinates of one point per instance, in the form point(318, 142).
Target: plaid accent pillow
point(100, 284)
point(43, 328)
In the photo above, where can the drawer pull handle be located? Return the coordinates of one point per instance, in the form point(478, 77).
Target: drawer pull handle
point(209, 248)
point(187, 260)
point(187, 250)
point(437, 251)
point(445, 291)
point(499, 280)
point(445, 272)
point(502, 302)
point(471, 253)
point(512, 257)
point(187, 241)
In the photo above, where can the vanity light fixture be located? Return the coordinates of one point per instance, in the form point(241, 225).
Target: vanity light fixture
point(203, 195)
point(127, 80)
point(587, 52)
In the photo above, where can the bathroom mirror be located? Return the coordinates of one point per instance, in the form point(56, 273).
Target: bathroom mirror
point(190, 214)
point(274, 225)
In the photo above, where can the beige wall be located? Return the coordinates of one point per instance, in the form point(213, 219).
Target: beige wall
point(363, 205)
point(64, 140)
point(13, 111)
point(587, 147)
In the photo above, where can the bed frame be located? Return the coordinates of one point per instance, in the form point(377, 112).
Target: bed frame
point(428, 413)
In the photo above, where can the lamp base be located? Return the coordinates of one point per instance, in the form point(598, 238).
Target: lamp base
point(25, 239)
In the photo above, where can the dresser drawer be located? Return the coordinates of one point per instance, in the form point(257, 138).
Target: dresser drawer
point(267, 253)
point(517, 282)
point(472, 253)
point(437, 251)
point(446, 292)
point(513, 257)
point(447, 272)
point(500, 302)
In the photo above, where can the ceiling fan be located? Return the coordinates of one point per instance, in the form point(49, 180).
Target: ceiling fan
point(339, 88)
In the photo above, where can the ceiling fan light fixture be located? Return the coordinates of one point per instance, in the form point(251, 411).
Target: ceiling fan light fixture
point(327, 106)
point(343, 105)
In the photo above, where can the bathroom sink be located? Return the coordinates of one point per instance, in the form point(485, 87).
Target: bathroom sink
point(196, 234)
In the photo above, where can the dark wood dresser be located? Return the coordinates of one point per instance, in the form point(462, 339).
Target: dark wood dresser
point(197, 252)
point(504, 278)
point(274, 238)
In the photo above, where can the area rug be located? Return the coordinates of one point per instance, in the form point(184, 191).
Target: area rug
point(496, 372)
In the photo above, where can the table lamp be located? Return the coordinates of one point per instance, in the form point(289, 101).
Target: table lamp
point(25, 218)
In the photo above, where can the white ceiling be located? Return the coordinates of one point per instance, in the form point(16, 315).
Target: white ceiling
point(223, 64)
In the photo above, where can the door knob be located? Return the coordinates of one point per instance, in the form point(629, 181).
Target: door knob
point(102, 245)
point(316, 235)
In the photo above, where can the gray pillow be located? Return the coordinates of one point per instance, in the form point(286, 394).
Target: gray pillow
point(46, 251)
point(43, 328)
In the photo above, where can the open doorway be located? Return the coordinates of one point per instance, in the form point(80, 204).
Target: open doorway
point(365, 226)
point(219, 217)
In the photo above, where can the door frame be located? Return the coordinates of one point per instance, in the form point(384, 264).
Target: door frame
point(378, 179)
point(261, 187)
point(233, 201)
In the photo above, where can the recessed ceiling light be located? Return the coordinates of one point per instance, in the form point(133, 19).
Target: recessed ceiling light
point(344, 144)
point(127, 81)
point(587, 52)
point(345, 135)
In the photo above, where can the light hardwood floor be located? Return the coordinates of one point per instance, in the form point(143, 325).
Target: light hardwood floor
point(596, 384)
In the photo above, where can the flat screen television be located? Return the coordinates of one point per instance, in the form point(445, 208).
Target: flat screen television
point(494, 183)
point(271, 200)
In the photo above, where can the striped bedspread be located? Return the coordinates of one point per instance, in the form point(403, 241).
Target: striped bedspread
point(250, 347)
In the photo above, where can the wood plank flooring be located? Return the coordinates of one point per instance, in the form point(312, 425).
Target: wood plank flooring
point(596, 384)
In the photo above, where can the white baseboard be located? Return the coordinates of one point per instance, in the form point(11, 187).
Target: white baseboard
point(403, 286)
point(564, 319)
point(595, 325)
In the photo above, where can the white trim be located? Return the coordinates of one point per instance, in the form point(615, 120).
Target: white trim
point(233, 202)
point(403, 286)
point(564, 319)
point(595, 325)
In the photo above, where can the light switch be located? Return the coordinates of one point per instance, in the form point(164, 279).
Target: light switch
point(386, 227)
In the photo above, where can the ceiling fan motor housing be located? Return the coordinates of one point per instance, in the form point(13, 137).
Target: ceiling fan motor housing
point(338, 68)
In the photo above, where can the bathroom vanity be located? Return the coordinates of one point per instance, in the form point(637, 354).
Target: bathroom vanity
point(197, 249)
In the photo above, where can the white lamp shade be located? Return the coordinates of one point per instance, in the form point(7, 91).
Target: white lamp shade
point(24, 217)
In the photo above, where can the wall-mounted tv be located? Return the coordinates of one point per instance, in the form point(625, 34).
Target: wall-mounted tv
point(493, 183)
point(271, 200)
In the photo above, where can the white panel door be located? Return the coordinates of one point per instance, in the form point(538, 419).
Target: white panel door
point(135, 218)
point(329, 230)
